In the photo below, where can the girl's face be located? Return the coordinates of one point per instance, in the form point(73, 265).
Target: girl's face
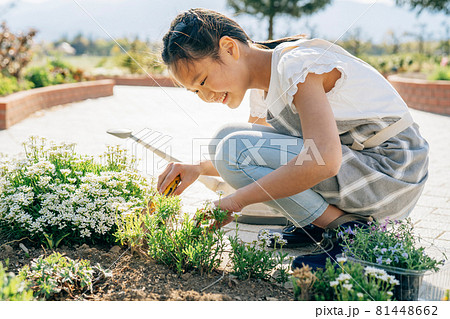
point(224, 81)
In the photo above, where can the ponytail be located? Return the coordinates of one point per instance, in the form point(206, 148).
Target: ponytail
point(271, 44)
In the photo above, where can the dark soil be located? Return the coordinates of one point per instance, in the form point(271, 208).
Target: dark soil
point(139, 278)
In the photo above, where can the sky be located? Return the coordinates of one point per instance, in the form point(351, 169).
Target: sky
point(150, 19)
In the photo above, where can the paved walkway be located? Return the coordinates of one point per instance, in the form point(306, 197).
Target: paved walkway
point(187, 121)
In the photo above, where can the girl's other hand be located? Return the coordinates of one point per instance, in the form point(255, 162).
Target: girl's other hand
point(188, 174)
point(229, 203)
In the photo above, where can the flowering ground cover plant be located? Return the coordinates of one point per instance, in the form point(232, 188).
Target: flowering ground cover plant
point(256, 259)
point(391, 244)
point(54, 194)
point(55, 274)
point(346, 282)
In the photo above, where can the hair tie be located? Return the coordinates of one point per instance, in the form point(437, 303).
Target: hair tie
point(193, 21)
point(188, 27)
point(177, 32)
point(179, 27)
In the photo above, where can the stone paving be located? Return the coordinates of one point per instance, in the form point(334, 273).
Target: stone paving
point(188, 122)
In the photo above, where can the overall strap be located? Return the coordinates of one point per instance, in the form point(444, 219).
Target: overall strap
point(385, 134)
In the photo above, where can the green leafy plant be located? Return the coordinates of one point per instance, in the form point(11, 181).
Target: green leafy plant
point(55, 274)
point(140, 58)
point(13, 288)
point(39, 76)
point(54, 72)
point(255, 259)
point(346, 281)
point(441, 73)
point(180, 241)
point(390, 244)
point(54, 243)
point(54, 195)
point(9, 84)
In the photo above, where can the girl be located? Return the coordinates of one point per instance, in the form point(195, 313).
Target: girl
point(342, 147)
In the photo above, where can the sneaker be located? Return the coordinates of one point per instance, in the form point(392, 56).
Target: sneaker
point(294, 236)
point(328, 247)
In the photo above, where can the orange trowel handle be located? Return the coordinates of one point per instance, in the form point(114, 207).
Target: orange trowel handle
point(172, 186)
point(167, 192)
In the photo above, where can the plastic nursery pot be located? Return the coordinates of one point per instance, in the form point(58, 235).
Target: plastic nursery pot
point(410, 280)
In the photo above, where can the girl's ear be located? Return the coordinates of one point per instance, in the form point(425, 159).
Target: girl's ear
point(229, 46)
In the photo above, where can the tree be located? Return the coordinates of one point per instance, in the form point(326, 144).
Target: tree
point(393, 42)
point(80, 44)
point(354, 43)
point(271, 8)
point(15, 50)
point(430, 5)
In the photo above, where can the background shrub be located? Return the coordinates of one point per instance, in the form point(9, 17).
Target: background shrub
point(9, 84)
point(441, 73)
point(15, 50)
point(54, 72)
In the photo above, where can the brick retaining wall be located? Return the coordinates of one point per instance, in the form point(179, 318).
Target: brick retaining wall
point(18, 106)
point(140, 80)
point(430, 96)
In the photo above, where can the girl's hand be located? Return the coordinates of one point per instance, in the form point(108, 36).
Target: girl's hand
point(188, 174)
point(230, 203)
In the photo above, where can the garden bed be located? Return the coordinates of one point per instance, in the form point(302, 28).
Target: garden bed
point(137, 278)
point(18, 106)
point(424, 95)
point(139, 80)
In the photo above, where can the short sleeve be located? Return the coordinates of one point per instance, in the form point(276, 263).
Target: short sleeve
point(258, 108)
point(296, 64)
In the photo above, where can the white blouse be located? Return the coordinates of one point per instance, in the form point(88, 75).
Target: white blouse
point(360, 93)
point(258, 107)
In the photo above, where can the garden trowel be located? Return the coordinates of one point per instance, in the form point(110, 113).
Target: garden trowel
point(259, 213)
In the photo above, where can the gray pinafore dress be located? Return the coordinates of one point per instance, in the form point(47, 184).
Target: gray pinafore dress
point(379, 181)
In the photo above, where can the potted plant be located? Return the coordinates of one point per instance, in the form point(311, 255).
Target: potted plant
point(350, 281)
point(393, 247)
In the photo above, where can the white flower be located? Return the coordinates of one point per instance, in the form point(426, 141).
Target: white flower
point(343, 277)
point(259, 247)
point(65, 171)
point(334, 283)
point(347, 286)
point(393, 281)
point(341, 259)
point(360, 295)
point(264, 232)
point(373, 271)
point(236, 214)
point(390, 293)
point(277, 236)
point(220, 192)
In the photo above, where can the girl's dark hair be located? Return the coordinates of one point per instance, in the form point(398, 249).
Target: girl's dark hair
point(195, 34)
